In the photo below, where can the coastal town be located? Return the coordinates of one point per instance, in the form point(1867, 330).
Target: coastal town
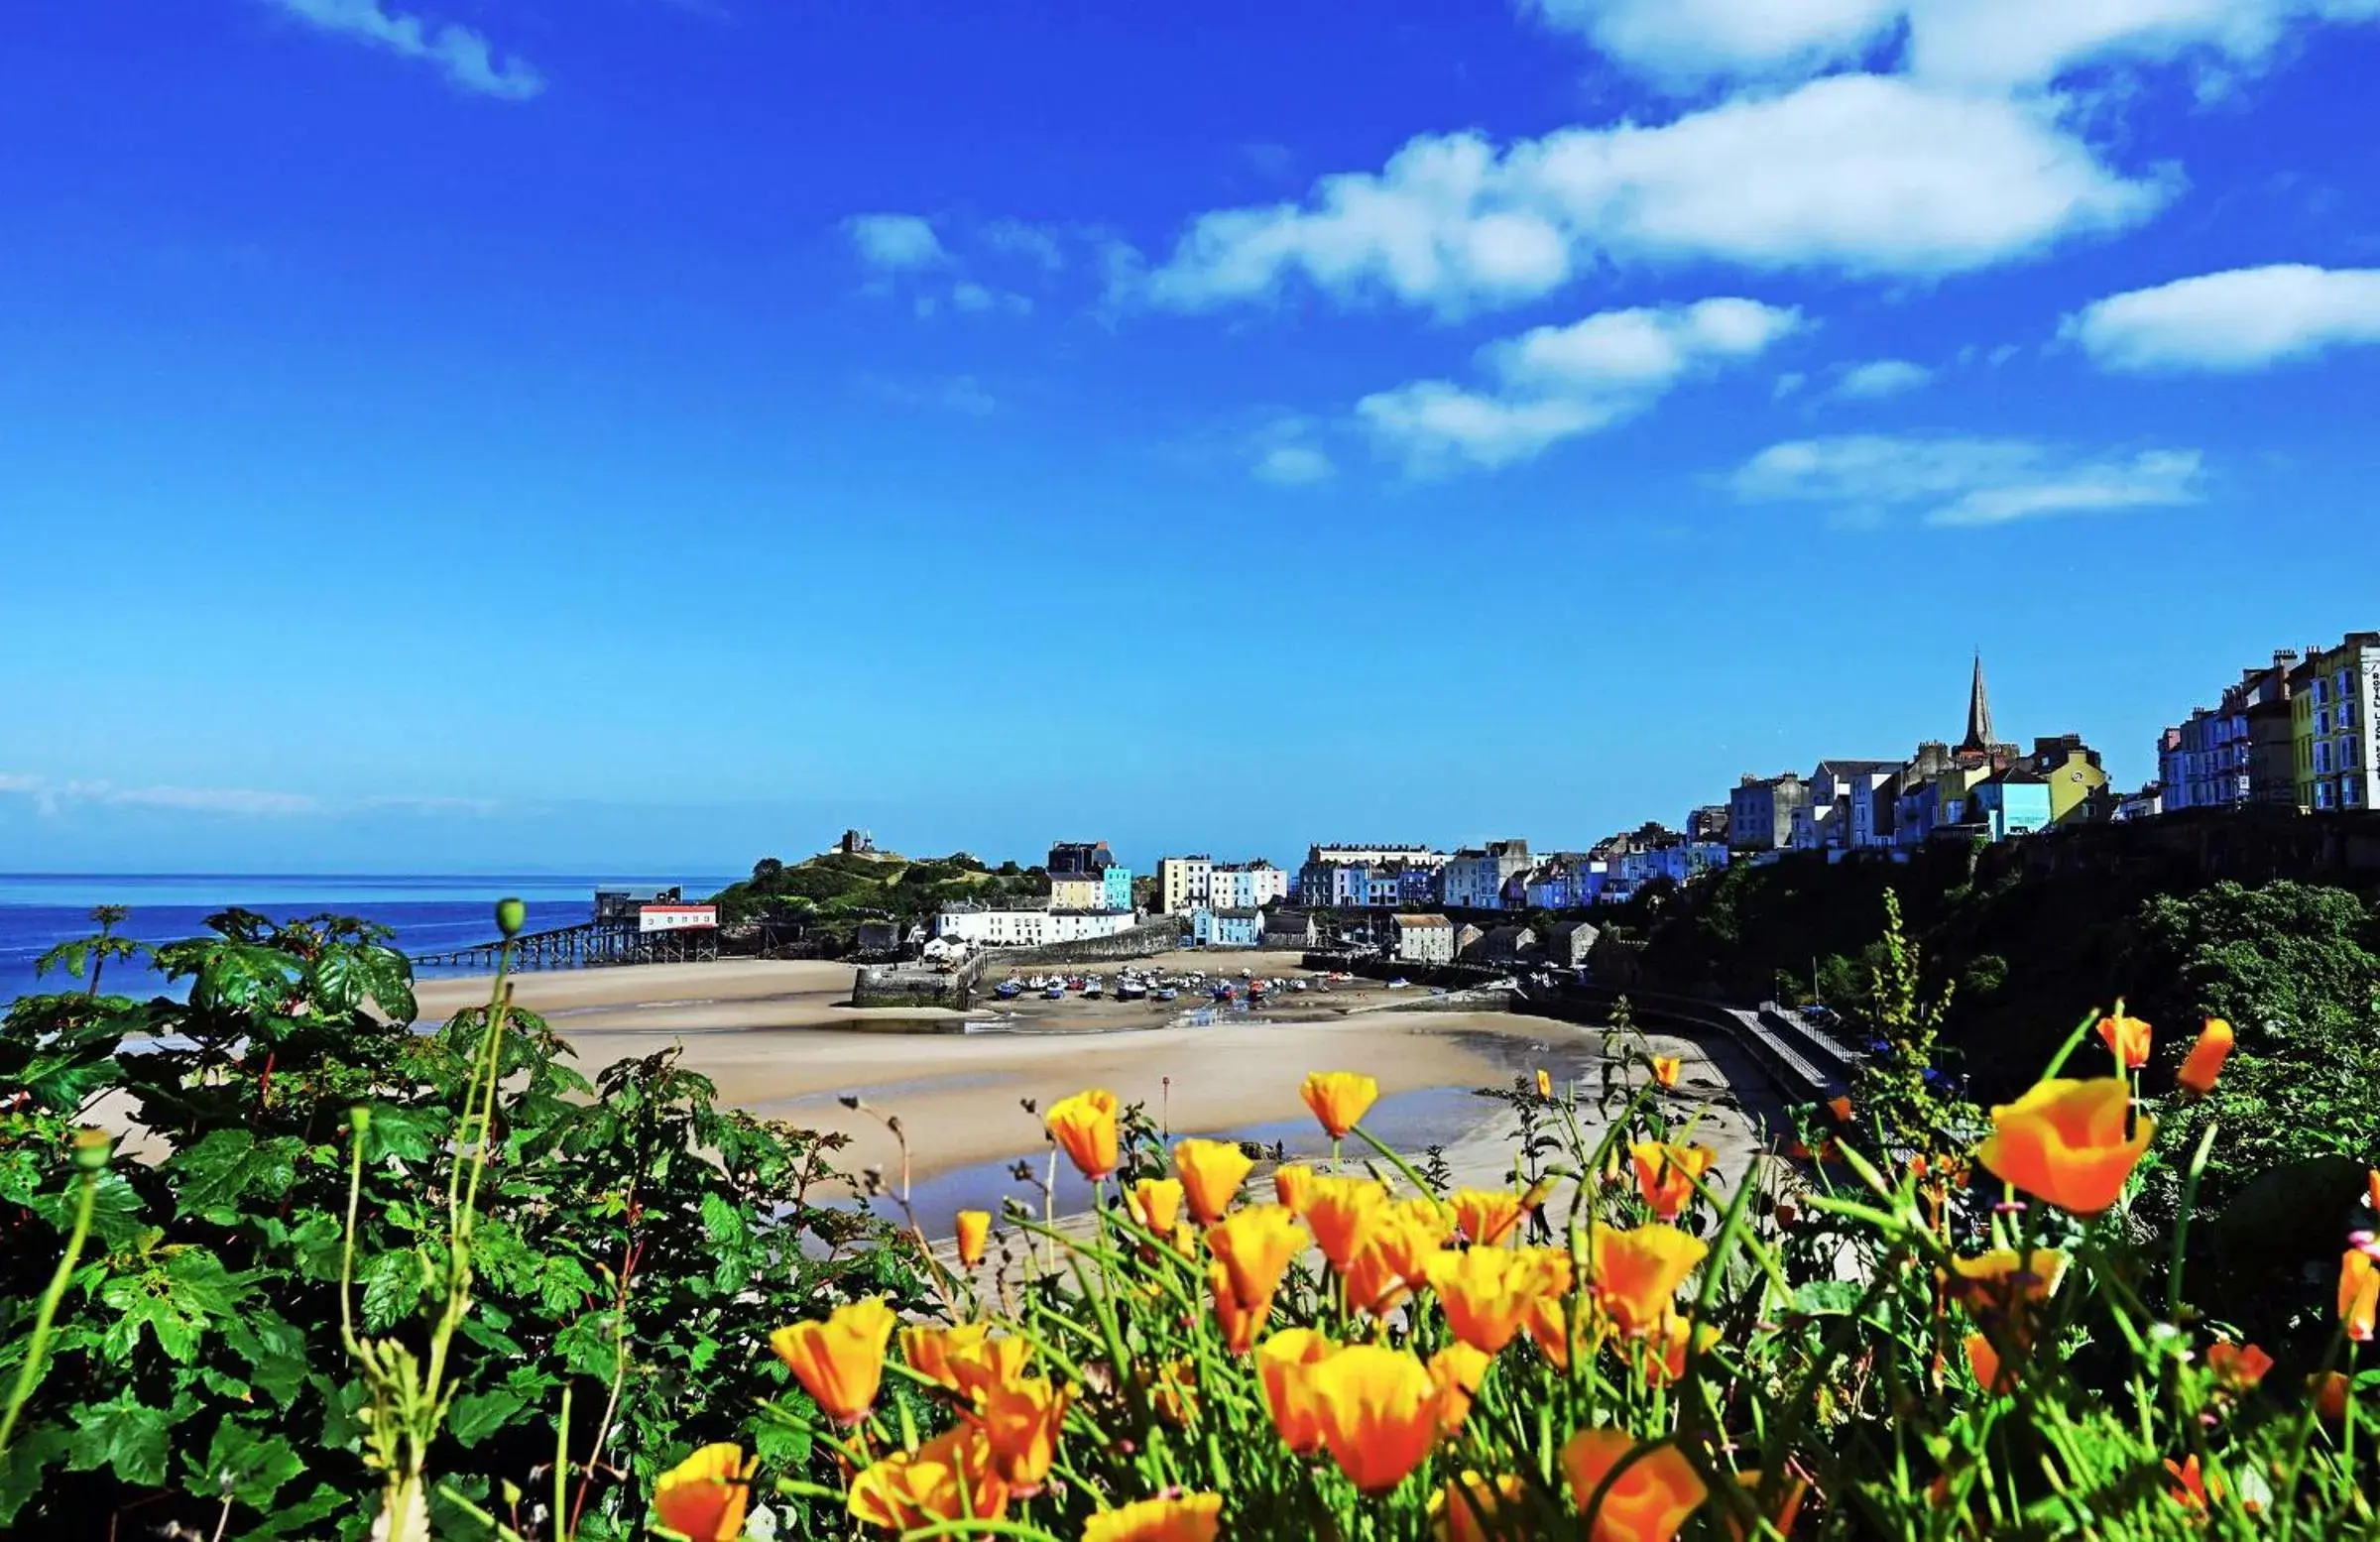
point(2302, 732)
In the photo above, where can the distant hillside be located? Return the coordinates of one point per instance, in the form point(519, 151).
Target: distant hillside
point(873, 886)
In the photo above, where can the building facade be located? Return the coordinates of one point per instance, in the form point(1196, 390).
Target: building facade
point(1080, 892)
point(1233, 927)
point(1423, 939)
point(1027, 928)
point(1182, 882)
point(2339, 745)
point(1760, 812)
point(1079, 857)
point(2012, 802)
point(1474, 876)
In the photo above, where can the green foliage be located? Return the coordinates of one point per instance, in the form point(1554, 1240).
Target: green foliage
point(635, 1244)
point(840, 890)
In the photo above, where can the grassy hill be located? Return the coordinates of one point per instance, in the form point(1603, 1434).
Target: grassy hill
point(838, 886)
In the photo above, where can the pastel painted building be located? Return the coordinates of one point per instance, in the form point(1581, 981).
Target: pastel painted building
point(1760, 812)
point(2013, 802)
point(1226, 928)
point(1027, 927)
point(2078, 784)
point(1182, 882)
point(2338, 726)
point(1474, 876)
point(1079, 891)
point(1116, 889)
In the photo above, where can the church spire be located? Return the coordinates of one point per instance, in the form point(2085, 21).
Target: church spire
point(1978, 714)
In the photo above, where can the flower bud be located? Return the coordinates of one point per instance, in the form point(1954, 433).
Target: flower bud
point(511, 916)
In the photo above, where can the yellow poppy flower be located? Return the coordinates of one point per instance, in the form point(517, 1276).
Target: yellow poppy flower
point(2064, 1143)
point(839, 1361)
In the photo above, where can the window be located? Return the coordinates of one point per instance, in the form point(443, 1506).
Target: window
point(2321, 757)
point(2321, 794)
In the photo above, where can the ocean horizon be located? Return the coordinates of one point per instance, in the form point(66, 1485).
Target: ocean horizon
point(428, 911)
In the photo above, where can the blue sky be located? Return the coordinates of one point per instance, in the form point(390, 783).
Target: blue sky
point(595, 432)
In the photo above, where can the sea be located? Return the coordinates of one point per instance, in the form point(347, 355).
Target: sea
point(429, 912)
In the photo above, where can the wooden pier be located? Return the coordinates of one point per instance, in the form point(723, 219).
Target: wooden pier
point(588, 945)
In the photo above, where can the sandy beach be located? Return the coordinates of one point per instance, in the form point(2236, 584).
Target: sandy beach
point(778, 1041)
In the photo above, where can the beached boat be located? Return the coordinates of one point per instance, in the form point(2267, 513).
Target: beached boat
point(1056, 993)
point(1093, 987)
point(1222, 990)
point(1130, 991)
point(1007, 990)
point(1170, 993)
point(1398, 984)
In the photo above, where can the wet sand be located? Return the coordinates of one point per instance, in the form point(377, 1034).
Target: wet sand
point(776, 1041)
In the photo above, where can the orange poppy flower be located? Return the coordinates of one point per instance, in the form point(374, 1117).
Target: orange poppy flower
point(1394, 1260)
point(1211, 1172)
point(1486, 1216)
point(1173, 1392)
point(974, 1229)
point(1984, 1361)
point(1378, 1411)
point(2371, 1184)
point(1545, 1083)
point(1189, 1517)
point(2238, 1366)
point(2358, 1295)
point(1664, 1352)
point(1457, 1372)
point(1647, 1500)
point(929, 1351)
point(1666, 1174)
point(2205, 1062)
point(1782, 1513)
point(2127, 1038)
point(1473, 1508)
point(704, 1496)
point(1840, 1108)
point(1156, 1202)
point(1020, 1421)
point(1255, 1247)
point(2064, 1142)
point(947, 1479)
point(1285, 1364)
point(839, 1361)
point(1084, 1125)
point(1342, 1211)
point(1339, 1099)
point(1548, 1325)
point(978, 1364)
point(1636, 1273)
point(1665, 1069)
point(2330, 1390)
point(1485, 1297)
point(2004, 1282)
point(1294, 1185)
point(2190, 1488)
point(1238, 1320)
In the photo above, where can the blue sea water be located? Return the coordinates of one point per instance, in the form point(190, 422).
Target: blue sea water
point(429, 912)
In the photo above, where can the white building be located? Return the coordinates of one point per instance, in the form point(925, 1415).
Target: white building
point(1424, 939)
point(1474, 876)
point(1183, 882)
point(1029, 929)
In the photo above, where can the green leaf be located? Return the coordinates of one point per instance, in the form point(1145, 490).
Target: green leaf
point(64, 1081)
point(121, 1432)
point(406, 1133)
point(20, 1466)
point(474, 1418)
point(229, 1165)
point(392, 1290)
point(1827, 1298)
point(251, 1470)
point(181, 1291)
point(117, 1213)
point(274, 1350)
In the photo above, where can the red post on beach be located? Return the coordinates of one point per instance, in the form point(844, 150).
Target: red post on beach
point(1166, 1105)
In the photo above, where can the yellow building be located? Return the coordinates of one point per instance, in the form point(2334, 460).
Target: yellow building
point(1075, 890)
point(2334, 723)
point(2073, 771)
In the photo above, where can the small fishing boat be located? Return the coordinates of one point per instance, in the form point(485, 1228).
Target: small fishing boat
point(1222, 990)
point(1399, 982)
point(1093, 987)
point(1007, 990)
point(1130, 991)
point(1056, 993)
point(1170, 993)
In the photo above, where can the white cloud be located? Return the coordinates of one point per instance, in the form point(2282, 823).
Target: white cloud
point(1295, 465)
point(2016, 42)
point(1953, 480)
point(462, 55)
point(895, 242)
point(1557, 382)
point(1686, 41)
point(1881, 377)
point(1993, 44)
point(2246, 318)
point(1857, 174)
point(1787, 384)
point(976, 298)
point(1017, 238)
